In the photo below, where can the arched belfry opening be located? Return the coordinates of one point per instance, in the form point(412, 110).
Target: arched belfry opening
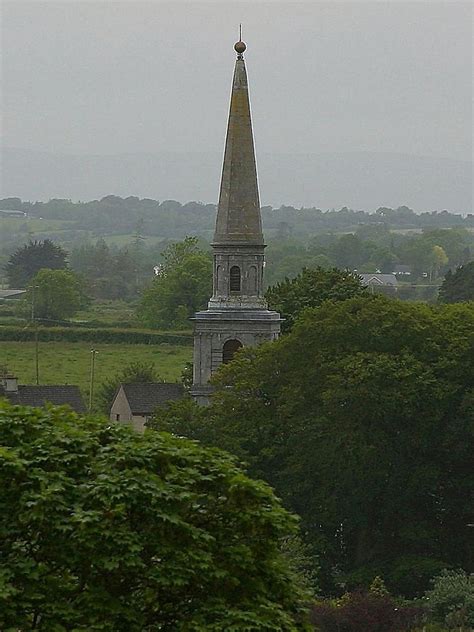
point(229, 349)
point(235, 279)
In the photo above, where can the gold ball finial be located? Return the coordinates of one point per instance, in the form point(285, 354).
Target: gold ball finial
point(240, 47)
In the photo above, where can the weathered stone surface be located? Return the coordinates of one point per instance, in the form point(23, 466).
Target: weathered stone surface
point(238, 214)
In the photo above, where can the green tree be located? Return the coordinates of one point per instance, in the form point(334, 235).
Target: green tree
point(459, 285)
point(28, 260)
point(309, 289)
point(55, 294)
point(451, 600)
point(182, 287)
point(438, 259)
point(133, 373)
point(105, 529)
point(417, 253)
point(349, 252)
point(362, 419)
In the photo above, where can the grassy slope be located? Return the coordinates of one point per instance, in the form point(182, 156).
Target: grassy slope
point(69, 363)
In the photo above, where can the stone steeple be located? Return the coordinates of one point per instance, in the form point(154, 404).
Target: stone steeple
point(237, 313)
point(238, 214)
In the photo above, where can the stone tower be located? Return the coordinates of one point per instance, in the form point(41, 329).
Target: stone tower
point(237, 313)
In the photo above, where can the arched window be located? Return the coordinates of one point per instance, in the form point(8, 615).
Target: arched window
point(229, 349)
point(235, 279)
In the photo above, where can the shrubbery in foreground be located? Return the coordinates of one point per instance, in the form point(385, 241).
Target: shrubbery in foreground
point(104, 529)
point(365, 612)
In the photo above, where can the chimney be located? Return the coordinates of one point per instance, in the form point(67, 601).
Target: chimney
point(10, 384)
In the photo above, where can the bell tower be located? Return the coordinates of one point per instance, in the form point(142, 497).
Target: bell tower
point(237, 313)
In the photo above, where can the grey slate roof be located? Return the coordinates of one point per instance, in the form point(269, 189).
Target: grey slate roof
point(144, 398)
point(32, 395)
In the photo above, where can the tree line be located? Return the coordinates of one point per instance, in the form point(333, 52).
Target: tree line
point(171, 219)
point(167, 294)
point(360, 417)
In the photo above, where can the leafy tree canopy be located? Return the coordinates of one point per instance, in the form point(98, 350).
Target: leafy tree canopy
point(362, 419)
point(55, 295)
point(133, 373)
point(459, 285)
point(182, 286)
point(451, 600)
point(28, 260)
point(309, 289)
point(104, 529)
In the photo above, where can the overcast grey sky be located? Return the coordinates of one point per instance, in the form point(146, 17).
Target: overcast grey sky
point(112, 77)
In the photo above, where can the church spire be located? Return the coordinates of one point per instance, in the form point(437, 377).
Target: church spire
point(238, 215)
point(237, 314)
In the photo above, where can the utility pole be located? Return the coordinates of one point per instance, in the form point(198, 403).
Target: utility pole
point(35, 324)
point(37, 354)
point(91, 387)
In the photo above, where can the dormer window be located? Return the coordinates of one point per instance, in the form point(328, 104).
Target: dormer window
point(235, 279)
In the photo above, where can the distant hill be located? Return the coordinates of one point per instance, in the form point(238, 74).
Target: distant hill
point(360, 180)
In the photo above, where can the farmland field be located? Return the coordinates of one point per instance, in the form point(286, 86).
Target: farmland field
point(69, 362)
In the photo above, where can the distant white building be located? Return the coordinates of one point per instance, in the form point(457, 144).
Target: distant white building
point(402, 270)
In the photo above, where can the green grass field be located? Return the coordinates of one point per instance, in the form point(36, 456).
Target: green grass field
point(69, 362)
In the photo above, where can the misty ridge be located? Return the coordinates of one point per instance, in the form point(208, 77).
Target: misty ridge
point(359, 180)
point(132, 218)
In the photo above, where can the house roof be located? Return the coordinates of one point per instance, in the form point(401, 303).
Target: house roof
point(147, 396)
point(379, 279)
point(32, 395)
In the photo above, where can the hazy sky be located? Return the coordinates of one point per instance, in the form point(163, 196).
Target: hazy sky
point(112, 77)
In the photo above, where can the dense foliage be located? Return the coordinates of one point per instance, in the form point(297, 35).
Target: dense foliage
point(113, 272)
point(362, 419)
point(372, 610)
point(28, 260)
point(182, 286)
point(105, 529)
point(309, 289)
point(451, 600)
point(459, 285)
point(364, 612)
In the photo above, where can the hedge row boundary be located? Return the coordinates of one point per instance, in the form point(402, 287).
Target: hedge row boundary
point(80, 334)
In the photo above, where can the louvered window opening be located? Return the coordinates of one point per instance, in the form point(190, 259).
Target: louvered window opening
point(235, 279)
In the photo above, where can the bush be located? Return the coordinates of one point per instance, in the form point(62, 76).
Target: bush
point(79, 334)
point(364, 612)
point(451, 601)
